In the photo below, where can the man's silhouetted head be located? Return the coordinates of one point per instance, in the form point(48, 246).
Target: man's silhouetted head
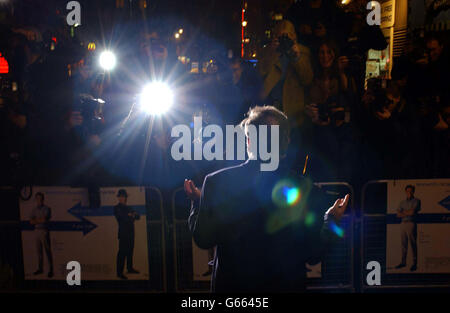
point(268, 115)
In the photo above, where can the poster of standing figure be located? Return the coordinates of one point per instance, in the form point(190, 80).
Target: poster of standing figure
point(109, 241)
point(418, 226)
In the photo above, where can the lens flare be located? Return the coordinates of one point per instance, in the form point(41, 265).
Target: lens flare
point(292, 195)
point(107, 60)
point(310, 219)
point(156, 98)
point(286, 193)
point(337, 230)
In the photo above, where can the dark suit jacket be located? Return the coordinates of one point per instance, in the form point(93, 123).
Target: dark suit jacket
point(126, 222)
point(262, 243)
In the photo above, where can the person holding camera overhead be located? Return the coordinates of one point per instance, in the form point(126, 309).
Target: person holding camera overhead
point(286, 70)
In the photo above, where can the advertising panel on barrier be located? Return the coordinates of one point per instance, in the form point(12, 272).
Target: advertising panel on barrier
point(59, 226)
point(418, 226)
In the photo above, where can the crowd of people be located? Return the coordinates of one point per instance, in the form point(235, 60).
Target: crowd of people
point(57, 131)
point(351, 129)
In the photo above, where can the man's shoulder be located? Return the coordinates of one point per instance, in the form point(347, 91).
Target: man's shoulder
point(232, 171)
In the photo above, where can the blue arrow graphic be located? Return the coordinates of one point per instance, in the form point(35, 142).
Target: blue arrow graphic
point(428, 218)
point(445, 203)
point(84, 225)
point(82, 211)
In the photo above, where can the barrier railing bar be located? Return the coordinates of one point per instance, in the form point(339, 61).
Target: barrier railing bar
point(163, 234)
point(350, 285)
point(351, 226)
point(174, 230)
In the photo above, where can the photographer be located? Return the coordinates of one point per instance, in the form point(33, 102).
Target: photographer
point(286, 70)
point(355, 40)
point(383, 107)
point(433, 92)
point(330, 98)
point(14, 115)
point(441, 143)
point(315, 20)
point(84, 124)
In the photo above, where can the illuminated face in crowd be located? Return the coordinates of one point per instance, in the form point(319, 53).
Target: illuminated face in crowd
point(326, 56)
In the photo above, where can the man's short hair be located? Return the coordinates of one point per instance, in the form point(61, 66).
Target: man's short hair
point(269, 115)
point(40, 194)
point(412, 187)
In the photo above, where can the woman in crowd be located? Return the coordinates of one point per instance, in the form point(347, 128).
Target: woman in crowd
point(330, 100)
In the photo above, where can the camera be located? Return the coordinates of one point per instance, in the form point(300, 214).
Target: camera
point(285, 44)
point(8, 88)
point(91, 110)
point(327, 110)
point(323, 111)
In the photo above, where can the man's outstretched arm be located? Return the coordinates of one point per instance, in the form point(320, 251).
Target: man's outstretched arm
point(202, 222)
point(321, 241)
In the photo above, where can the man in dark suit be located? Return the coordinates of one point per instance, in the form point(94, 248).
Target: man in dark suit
point(265, 225)
point(125, 217)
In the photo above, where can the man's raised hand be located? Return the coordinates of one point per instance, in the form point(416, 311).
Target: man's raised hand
point(191, 191)
point(339, 207)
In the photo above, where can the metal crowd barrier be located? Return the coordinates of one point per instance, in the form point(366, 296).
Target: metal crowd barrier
point(337, 267)
point(156, 241)
point(11, 267)
point(182, 246)
point(374, 244)
point(11, 255)
point(338, 264)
